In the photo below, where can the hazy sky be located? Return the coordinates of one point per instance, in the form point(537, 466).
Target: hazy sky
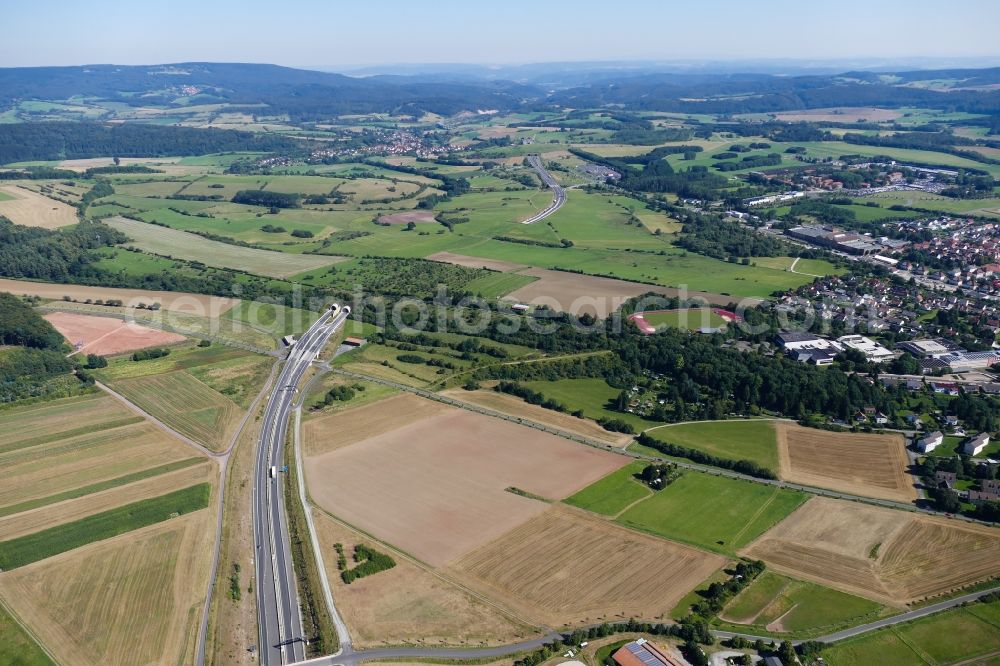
point(340, 34)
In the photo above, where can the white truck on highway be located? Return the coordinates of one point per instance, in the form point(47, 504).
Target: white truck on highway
point(273, 472)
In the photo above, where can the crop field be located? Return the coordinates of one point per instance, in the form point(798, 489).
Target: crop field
point(170, 242)
point(509, 404)
point(861, 464)
point(410, 604)
point(888, 556)
point(194, 304)
point(44, 472)
point(445, 479)
point(31, 209)
point(106, 336)
point(735, 440)
point(70, 510)
point(476, 262)
point(240, 379)
point(185, 404)
point(565, 567)
point(712, 512)
point(780, 604)
point(614, 493)
point(840, 115)
point(131, 599)
point(966, 635)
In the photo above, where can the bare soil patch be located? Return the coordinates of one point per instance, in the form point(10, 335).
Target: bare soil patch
point(599, 296)
point(890, 556)
point(568, 567)
point(106, 336)
point(846, 114)
point(35, 210)
point(193, 304)
point(410, 604)
point(509, 404)
point(436, 488)
point(339, 429)
point(133, 599)
point(476, 262)
point(861, 464)
point(415, 216)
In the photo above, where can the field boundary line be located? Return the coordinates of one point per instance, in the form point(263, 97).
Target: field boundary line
point(27, 630)
point(754, 517)
point(926, 658)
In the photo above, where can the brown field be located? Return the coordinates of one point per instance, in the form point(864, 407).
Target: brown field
point(35, 210)
point(73, 462)
point(568, 567)
point(410, 603)
point(415, 216)
point(890, 556)
point(105, 335)
point(600, 296)
point(91, 162)
point(192, 304)
point(441, 480)
point(133, 599)
point(475, 262)
point(333, 431)
point(860, 464)
point(45, 517)
point(509, 404)
point(840, 115)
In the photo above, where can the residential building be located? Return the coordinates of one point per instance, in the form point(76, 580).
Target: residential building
point(930, 442)
point(975, 445)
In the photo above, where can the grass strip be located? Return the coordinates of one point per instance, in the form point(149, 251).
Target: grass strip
point(66, 434)
point(99, 486)
point(46, 543)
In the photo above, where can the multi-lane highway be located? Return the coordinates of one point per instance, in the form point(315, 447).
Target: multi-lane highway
point(279, 620)
point(558, 192)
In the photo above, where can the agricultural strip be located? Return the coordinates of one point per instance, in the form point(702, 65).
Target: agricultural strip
point(173, 243)
point(31, 209)
point(194, 304)
point(54, 540)
point(612, 494)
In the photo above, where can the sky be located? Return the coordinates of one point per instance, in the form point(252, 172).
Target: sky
point(337, 34)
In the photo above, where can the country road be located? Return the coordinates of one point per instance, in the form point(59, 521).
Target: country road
point(279, 617)
point(558, 193)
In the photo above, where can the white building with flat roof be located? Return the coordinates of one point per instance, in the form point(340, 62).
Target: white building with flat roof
point(872, 350)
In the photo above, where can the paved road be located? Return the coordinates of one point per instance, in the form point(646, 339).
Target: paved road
point(279, 620)
point(558, 193)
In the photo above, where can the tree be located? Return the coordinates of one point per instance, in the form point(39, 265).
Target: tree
point(94, 361)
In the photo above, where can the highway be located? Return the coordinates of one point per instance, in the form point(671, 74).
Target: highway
point(558, 192)
point(279, 619)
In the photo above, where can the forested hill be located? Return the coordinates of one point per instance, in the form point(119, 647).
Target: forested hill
point(303, 94)
point(70, 140)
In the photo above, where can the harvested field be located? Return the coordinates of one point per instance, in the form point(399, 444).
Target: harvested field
point(193, 304)
point(133, 599)
point(35, 210)
point(91, 162)
point(334, 431)
point(51, 515)
point(171, 242)
point(36, 424)
point(476, 262)
point(600, 296)
point(509, 404)
point(415, 216)
point(882, 554)
point(566, 567)
point(185, 404)
point(442, 480)
point(845, 114)
point(861, 464)
point(106, 336)
point(66, 463)
point(409, 603)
